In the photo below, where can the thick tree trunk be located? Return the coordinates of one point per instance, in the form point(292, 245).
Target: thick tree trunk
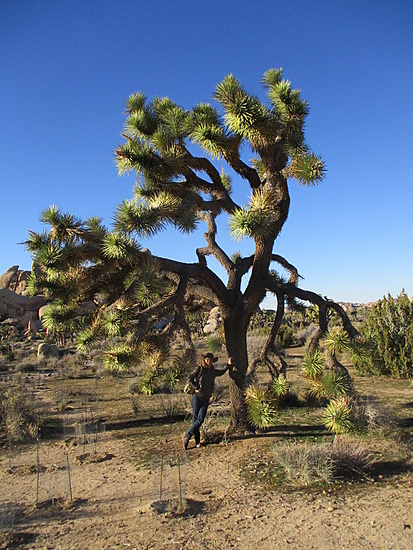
point(236, 343)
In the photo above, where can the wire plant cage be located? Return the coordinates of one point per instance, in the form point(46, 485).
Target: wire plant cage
point(169, 482)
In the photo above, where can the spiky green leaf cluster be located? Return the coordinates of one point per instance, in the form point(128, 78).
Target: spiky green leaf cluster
point(331, 385)
point(308, 169)
point(176, 373)
point(208, 131)
point(337, 416)
point(117, 357)
point(117, 246)
point(245, 115)
point(87, 338)
point(64, 226)
point(258, 219)
point(260, 406)
point(280, 386)
point(131, 217)
point(323, 384)
point(313, 364)
point(148, 287)
point(59, 318)
point(337, 341)
point(114, 321)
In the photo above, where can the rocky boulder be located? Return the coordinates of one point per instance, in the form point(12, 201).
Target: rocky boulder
point(46, 350)
point(9, 277)
point(16, 307)
point(213, 322)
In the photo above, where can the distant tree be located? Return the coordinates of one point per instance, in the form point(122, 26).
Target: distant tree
point(133, 289)
point(386, 346)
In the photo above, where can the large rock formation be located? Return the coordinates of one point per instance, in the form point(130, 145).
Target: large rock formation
point(17, 308)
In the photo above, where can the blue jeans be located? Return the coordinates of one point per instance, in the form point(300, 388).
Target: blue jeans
point(199, 410)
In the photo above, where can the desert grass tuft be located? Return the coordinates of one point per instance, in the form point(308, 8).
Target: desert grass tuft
point(305, 464)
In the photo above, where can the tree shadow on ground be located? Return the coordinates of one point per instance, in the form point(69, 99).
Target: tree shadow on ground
point(405, 422)
point(284, 431)
point(142, 422)
point(192, 508)
point(384, 469)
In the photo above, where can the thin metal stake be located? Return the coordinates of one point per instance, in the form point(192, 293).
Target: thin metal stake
point(10, 459)
point(180, 483)
point(38, 472)
point(160, 486)
point(68, 474)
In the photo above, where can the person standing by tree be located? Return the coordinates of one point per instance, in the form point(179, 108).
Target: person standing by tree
point(202, 380)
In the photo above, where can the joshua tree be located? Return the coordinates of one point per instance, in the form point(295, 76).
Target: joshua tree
point(177, 187)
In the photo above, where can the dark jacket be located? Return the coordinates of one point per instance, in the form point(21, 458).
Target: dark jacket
point(202, 380)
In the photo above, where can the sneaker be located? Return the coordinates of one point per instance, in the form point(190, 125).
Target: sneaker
point(198, 445)
point(186, 441)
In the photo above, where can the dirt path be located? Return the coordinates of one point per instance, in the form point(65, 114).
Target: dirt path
point(112, 506)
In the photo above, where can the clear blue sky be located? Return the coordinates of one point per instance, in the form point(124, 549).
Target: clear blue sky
point(66, 68)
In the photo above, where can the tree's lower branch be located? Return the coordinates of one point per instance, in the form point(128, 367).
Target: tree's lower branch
point(270, 346)
point(294, 276)
point(314, 298)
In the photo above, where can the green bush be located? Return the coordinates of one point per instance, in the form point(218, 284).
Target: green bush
point(388, 333)
point(285, 336)
point(213, 343)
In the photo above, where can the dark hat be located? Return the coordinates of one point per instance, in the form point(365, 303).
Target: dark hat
point(210, 356)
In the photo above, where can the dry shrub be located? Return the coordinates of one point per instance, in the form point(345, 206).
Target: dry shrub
point(378, 417)
point(28, 364)
point(172, 406)
point(305, 464)
point(4, 364)
point(255, 343)
point(350, 457)
point(305, 334)
point(19, 412)
point(168, 406)
point(69, 366)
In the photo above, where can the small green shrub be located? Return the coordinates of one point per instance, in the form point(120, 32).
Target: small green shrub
point(337, 341)
point(213, 344)
point(279, 387)
point(285, 336)
point(147, 383)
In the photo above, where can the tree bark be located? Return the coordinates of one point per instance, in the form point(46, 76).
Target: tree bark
point(236, 343)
